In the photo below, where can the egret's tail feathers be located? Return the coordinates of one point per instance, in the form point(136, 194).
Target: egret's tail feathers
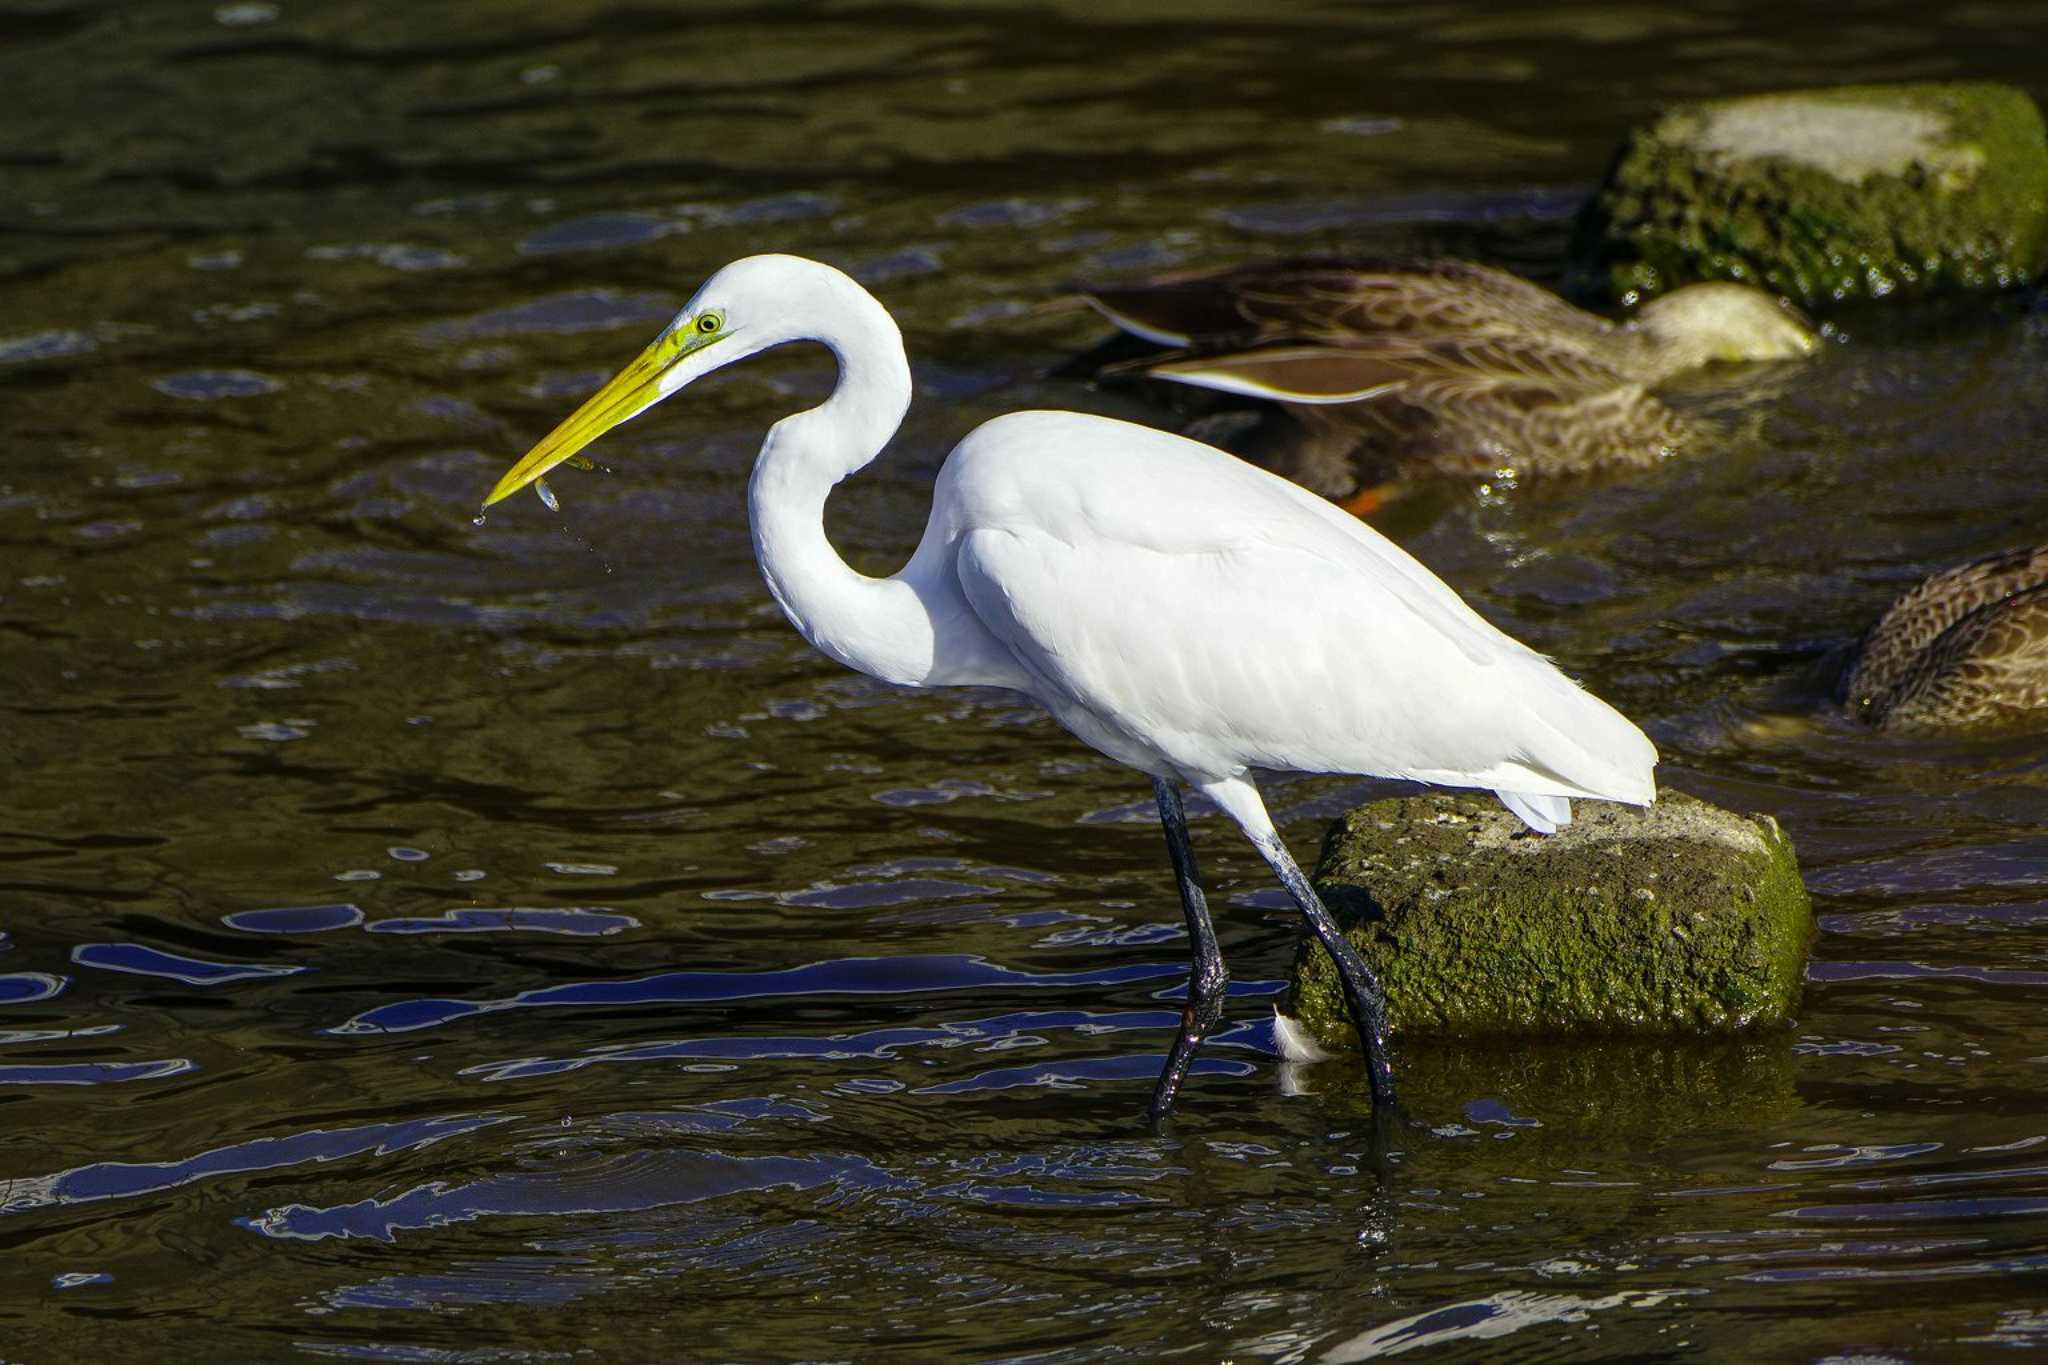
point(1544, 814)
point(1584, 745)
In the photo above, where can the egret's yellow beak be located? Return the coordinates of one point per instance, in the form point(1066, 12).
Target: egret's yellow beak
point(629, 393)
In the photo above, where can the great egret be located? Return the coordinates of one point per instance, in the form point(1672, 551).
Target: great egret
point(1968, 647)
point(1448, 364)
point(1179, 610)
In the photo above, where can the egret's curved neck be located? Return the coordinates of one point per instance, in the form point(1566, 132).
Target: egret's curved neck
point(876, 625)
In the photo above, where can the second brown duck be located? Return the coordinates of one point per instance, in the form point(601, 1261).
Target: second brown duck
point(1966, 649)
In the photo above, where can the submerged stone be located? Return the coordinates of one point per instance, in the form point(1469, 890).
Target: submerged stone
point(1679, 918)
point(1824, 195)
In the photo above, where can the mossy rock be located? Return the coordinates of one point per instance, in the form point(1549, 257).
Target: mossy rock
point(1826, 195)
point(1678, 918)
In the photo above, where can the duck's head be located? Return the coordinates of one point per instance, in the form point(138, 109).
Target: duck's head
point(1726, 322)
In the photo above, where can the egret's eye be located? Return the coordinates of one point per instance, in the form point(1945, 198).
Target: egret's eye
point(710, 323)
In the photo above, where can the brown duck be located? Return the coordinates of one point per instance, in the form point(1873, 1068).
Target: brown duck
point(1448, 365)
point(1966, 649)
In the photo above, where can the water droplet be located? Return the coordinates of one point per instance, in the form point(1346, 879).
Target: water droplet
point(477, 520)
point(599, 554)
point(547, 494)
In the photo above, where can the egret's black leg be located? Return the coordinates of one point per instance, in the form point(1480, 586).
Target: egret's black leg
point(1361, 988)
point(1206, 983)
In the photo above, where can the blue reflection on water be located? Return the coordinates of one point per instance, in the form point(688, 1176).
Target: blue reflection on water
point(19, 988)
point(875, 1045)
point(1034, 1197)
point(911, 975)
point(641, 1180)
point(126, 1179)
point(205, 385)
point(1070, 1074)
point(145, 961)
point(540, 1281)
point(583, 310)
point(1913, 1210)
point(595, 232)
point(1950, 1270)
point(93, 1073)
point(876, 894)
point(662, 1175)
point(10, 1037)
point(1924, 971)
point(582, 921)
point(1498, 1315)
point(998, 1033)
point(295, 919)
point(80, 1279)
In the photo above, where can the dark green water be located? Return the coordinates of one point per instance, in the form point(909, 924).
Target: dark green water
point(429, 942)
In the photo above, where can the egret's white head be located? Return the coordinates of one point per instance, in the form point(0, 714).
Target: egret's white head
point(750, 305)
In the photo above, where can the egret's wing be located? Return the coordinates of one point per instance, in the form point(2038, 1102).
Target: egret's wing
point(1270, 657)
point(1201, 658)
point(1172, 596)
point(1091, 482)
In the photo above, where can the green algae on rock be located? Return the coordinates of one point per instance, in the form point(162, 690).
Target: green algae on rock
point(1827, 195)
point(1677, 918)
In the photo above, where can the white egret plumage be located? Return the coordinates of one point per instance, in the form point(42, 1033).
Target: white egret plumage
point(1181, 611)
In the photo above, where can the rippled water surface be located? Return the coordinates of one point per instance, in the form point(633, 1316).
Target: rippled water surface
point(424, 941)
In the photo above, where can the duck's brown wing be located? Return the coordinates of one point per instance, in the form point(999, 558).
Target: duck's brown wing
point(1448, 332)
point(1204, 309)
point(1427, 304)
point(1416, 408)
point(1455, 314)
point(1896, 644)
point(1191, 313)
point(1988, 668)
point(1287, 372)
point(1450, 363)
point(1483, 402)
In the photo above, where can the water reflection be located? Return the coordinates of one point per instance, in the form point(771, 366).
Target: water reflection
point(126, 1180)
point(1000, 1033)
point(1489, 1318)
point(814, 1016)
point(923, 975)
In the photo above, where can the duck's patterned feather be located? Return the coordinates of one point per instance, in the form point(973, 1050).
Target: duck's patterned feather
point(1466, 368)
point(1966, 648)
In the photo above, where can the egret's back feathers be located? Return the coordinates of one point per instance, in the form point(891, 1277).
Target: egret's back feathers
point(1191, 615)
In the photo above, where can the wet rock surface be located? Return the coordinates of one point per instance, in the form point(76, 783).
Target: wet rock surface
point(1827, 195)
point(1680, 918)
